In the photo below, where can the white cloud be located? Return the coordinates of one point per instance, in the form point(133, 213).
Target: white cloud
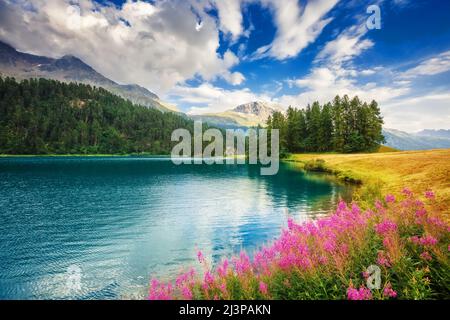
point(346, 46)
point(207, 98)
point(334, 74)
point(230, 17)
point(414, 114)
point(296, 27)
point(154, 45)
point(432, 66)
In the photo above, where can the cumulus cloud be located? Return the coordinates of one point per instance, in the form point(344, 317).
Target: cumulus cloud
point(156, 45)
point(297, 26)
point(207, 98)
point(230, 17)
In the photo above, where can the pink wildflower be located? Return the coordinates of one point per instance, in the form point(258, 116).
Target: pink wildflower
point(389, 292)
point(223, 269)
point(385, 227)
point(187, 293)
point(390, 198)
point(407, 192)
point(428, 241)
point(200, 257)
point(362, 294)
point(379, 205)
point(415, 239)
point(342, 205)
point(209, 278)
point(329, 246)
point(429, 194)
point(263, 287)
point(291, 224)
point(421, 212)
point(382, 260)
point(426, 256)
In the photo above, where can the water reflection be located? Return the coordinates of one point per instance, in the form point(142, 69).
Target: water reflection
point(123, 220)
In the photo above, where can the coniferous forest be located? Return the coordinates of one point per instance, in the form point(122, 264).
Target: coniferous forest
point(344, 125)
point(40, 116)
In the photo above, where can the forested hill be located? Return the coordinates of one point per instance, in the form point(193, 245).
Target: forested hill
point(343, 125)
point(50, 117)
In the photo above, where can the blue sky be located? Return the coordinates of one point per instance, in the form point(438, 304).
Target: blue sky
point(207, 56)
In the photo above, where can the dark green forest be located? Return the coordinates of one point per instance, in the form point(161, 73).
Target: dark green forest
point(344, 125)
point(40, 116)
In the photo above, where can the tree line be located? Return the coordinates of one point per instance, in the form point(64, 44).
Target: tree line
point(343, 125)
point(41, 116)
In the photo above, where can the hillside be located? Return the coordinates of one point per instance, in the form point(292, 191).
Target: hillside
point(51, 117)
point(71, 69)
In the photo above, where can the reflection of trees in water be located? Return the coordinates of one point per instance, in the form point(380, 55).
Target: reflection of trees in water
point(310, 194)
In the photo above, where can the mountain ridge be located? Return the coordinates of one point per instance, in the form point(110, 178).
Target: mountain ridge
point(70, 68)
point(413, 141)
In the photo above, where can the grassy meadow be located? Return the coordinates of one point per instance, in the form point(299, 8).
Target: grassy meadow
point(384, 172)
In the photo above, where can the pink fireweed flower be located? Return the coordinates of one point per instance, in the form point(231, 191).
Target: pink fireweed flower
point(407, 192)
point(200, 257)
point(209, 278)
point(223, 288)
point(223, 269)
point(426, 256)
point(428, 241)
point(389, 292)
point(329, 245)
point(242, 264)
point(448, 248)
point(362, 294)
point(429, 194)
point(187, 293)
point(342, 206)
point(344, 249)
point(390, 198)
point(263, 287)
point(291, 224)
point(415, 239)
point(160, 291)
point(379, 205)
point(385, 227)
point(421, 212)
point(382, 260)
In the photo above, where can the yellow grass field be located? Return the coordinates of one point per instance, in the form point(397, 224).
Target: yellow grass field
point(389, 172)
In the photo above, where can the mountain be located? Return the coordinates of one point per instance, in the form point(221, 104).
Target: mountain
point(414, 141)
point(243, 116)
point(435, 133)
point(71, 69)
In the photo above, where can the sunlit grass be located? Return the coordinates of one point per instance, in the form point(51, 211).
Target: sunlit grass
point(379, 173)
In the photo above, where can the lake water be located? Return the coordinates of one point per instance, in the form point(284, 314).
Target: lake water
point(114, 223)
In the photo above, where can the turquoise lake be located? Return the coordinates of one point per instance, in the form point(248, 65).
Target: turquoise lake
point(121, 221)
